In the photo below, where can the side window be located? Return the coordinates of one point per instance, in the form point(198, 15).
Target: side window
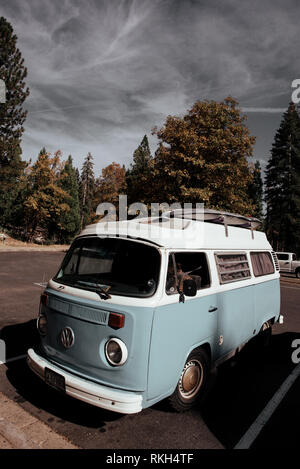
point(232, 267)
point(187, 265)
point(262, 263)
point(294, 257)
point(282, 257)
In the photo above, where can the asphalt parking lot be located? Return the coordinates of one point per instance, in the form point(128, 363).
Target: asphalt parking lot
point(240, 390)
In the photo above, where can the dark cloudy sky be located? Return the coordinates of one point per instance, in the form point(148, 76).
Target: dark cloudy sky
point(102, 73)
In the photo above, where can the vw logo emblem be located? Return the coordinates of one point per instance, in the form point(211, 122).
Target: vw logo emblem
point(67, 337)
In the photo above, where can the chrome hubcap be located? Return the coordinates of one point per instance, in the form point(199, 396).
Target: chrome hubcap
point(191, 379)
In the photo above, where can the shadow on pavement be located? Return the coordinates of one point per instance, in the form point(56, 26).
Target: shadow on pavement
point(18, 338)
point(244, 387)
point(241, 390)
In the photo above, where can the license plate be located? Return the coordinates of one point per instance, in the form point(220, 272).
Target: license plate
point(55, 380)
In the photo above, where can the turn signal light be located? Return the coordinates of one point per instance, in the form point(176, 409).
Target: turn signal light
point(116, 321)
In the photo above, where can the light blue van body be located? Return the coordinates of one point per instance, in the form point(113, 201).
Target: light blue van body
point(159, 331)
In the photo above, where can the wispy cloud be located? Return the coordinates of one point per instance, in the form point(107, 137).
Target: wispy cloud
point(264, 110)
point(103, 73)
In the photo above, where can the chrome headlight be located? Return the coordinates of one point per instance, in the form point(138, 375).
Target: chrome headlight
point(116, 352)
point(42, 324)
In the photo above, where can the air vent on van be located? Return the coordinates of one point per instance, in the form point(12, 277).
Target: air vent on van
point(95, 315)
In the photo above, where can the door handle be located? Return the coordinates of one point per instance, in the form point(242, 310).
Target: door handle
point(212, 309)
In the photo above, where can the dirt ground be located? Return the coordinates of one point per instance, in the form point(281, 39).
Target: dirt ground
point(14, 245)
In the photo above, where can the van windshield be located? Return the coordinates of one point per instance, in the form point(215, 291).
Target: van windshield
point(118, 266)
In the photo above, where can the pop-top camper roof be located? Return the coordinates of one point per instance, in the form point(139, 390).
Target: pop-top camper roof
point(184, 229)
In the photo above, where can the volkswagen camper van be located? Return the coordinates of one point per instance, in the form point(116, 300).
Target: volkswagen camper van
point(143, 310)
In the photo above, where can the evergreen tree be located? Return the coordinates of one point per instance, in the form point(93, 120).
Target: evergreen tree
point(140, 174)
point(12, 118)
point(77, 177)
point(256, 191)
point(87, 191)
point(282, 181)
point(69, 220)
point(202, 157)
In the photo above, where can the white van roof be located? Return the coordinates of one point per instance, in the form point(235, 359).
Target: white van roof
point(177, 232)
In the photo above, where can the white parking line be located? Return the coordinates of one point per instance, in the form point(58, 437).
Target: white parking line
point(19, 357)
point(253, 432)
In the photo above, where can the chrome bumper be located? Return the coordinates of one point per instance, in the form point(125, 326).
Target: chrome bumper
point(98, 395)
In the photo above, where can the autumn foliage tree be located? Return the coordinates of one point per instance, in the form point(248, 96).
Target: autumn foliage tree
point(202, 157)
point(110, 185)
point(46, 200)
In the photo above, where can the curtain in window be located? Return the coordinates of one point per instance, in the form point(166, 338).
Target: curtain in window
point(262, 263)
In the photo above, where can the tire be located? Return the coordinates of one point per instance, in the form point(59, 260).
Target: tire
point(265, 335)
point(192, 384)
point(297, 273)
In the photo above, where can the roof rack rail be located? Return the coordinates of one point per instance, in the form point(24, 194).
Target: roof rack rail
point(218, 217)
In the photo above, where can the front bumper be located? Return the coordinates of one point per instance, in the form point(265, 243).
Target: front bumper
point(98, 395)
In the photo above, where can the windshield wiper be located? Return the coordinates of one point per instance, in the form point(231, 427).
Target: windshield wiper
point(103, 292)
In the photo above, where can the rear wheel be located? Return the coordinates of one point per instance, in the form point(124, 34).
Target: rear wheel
point(298, 273)
point(265, 334)
point(192, 383)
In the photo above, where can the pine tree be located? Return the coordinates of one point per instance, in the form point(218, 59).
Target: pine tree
point(69, 220)
point(282, 181)
point(256, 191)
point(87, 191)
point(12, 118)
point(77, 177)
point(202, 157)
point(140, 173)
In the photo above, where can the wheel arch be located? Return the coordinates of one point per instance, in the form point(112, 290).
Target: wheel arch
point(206, 346)
point(181, 399)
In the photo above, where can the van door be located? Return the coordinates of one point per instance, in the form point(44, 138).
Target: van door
point(179, 327)
point(235, 302)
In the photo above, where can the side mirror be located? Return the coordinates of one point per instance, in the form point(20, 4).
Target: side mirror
point(189, 287)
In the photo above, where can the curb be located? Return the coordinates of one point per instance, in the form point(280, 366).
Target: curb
point(32, 249)
point(21, 430)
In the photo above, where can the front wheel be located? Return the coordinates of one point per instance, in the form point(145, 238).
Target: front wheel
point(298, 273)
point(192, 383)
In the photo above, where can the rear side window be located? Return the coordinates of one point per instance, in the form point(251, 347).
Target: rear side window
point(262, 263)
point(232, 267)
